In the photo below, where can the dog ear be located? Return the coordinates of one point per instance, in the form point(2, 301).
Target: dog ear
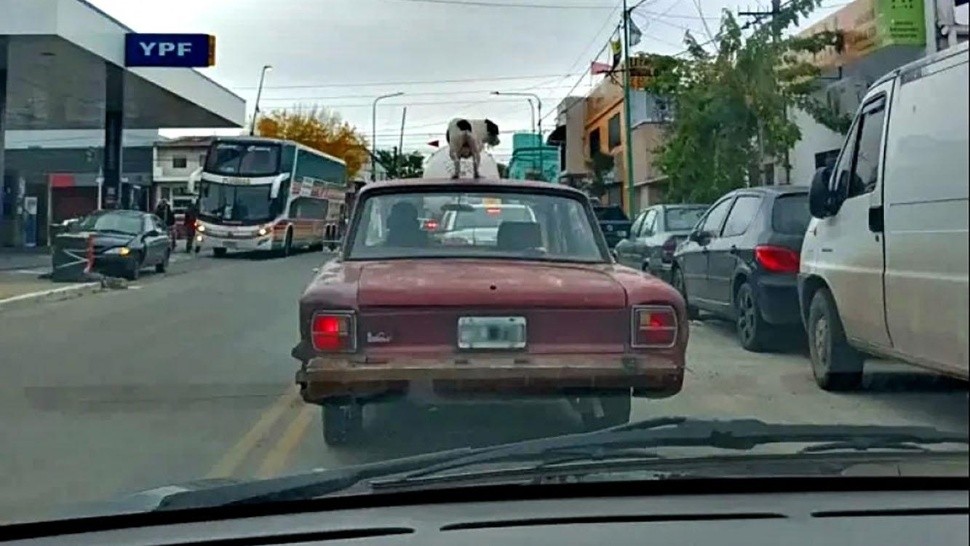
point(490, 127)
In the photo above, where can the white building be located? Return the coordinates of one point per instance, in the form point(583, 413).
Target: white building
point(173, 161)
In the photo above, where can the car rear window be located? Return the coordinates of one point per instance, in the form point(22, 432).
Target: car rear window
point(610, 214)
point(790, 214)
point(684, 219)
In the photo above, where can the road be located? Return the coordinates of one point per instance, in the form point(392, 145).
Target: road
point(188, 375)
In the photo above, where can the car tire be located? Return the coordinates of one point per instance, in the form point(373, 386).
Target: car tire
point(616, 411)
point(342, 423)
point(752, 330)
point(162, 266)
point(134, 271)
point(835, 364)
point(680, 284)
point(219, 252)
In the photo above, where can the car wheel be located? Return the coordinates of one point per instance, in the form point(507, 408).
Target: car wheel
point(680, 284)
point(162, 266)
point(615, 409)
point(342, 423)
point(134, 270)
point(753, 331)
point(835, 364)
point(219, 252)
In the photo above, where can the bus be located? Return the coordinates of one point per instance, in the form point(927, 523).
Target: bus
point(262, 194)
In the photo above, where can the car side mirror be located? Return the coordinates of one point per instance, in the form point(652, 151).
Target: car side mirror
point(152, 233)
point(698, 236)
point(821, 198)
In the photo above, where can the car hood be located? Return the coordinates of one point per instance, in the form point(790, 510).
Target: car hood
point(100, 238)
point(488, 283)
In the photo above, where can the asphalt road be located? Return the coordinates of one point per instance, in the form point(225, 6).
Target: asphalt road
point(188, 375)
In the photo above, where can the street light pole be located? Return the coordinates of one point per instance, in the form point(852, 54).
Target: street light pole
point(373, 131)
point(627, 130)
point(259, 95)
point(539, 109)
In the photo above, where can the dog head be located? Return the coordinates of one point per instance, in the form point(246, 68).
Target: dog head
point(491, 131)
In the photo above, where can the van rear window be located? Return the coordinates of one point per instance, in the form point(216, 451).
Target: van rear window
point(790, 214)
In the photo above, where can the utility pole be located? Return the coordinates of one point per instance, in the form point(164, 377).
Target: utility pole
point(400, 144)
point(627, 130)
point(776, 35)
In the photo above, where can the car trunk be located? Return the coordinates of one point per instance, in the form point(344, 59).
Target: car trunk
point(413, 307)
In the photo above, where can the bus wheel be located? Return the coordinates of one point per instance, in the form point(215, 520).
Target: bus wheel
point(218, 252)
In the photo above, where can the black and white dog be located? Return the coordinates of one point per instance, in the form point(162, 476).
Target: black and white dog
point(467, 138)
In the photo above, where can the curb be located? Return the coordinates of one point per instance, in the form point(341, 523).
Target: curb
point(56, 294)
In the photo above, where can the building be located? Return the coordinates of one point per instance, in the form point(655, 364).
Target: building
point(173, 162)
point(880, 37)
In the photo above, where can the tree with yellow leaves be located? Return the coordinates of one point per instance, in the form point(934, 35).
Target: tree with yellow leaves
point(319, 128)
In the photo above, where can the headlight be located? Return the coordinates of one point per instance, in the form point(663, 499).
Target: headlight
point(119, 251)
point(262, 231)
point(200, 228)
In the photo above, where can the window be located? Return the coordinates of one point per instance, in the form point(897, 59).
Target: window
point(319, 168)
point(683, 218)
point(180, 162)
point(715, 217)
point(742, 213)
point(769, 174)
point(595, 146)
point(635, 228)
point(649, 224)
point(790, 214)
point(869, 150)
point(614, 135)
point(243, 159)
point(826, 159)
point(307, 208)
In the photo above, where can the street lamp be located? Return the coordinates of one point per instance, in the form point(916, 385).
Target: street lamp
point(259, 95)
point(373, 130)
point(539, 108)
point(532, 107)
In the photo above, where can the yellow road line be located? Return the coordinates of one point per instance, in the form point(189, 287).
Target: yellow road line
point(236, 455)
point(280, 455)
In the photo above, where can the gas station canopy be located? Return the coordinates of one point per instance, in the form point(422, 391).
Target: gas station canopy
point(57, 57)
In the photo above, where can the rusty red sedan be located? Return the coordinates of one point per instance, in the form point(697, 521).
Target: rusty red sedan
point(508, 293)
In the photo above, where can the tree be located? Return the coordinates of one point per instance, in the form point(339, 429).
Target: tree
point(401, 165)
point(730, 105)
point(600, 165)
point(319, 128)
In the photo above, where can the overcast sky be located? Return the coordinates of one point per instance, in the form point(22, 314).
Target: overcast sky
point(447, 56)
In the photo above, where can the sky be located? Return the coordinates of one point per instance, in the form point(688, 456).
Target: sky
point(446, 56)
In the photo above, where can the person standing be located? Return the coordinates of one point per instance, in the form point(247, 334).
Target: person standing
point(191, 217)
point(165, 213)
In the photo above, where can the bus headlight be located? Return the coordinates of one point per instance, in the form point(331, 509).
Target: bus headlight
point(201, 228)
point(262, 231)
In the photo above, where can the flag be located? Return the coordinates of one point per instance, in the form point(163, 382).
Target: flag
point(635, 34)
point(434, 143)
point(599, 68)
point(617, 50)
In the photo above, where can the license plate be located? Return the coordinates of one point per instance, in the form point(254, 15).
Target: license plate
point(491, 333)
point(230, 244)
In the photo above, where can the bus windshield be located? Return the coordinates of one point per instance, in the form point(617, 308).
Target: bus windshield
point(235, 203)
point(243, 159)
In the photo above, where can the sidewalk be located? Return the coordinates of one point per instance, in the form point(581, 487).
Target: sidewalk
point(25, 258)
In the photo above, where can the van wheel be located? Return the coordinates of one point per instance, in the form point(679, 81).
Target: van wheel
point(753, 331)
point(342, 422)
point(680, 284)
point(835, 364)
point(219, 252)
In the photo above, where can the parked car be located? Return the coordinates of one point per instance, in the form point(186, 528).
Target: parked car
point(614, 223)
point(126, 241)
point(884, 265)
point(655, 235)
point(540, 311)
point(741, 261)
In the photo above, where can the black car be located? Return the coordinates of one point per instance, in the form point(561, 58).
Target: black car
point(613, 222)
point(741, 261)
point(655, 235)
point(126, 241)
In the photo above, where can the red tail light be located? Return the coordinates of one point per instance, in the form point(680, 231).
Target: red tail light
point(333, 332)
point(493, 211)
point(667, 250)
point(430, 225)
point(654, 326)
point(777, 259)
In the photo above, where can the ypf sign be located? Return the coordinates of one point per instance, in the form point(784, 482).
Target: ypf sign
point(170, 50)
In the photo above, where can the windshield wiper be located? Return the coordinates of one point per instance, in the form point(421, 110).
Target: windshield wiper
point(633, 440)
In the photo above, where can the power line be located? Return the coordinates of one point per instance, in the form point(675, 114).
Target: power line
point(419, 94)
point(408, 82)
point(517, 5)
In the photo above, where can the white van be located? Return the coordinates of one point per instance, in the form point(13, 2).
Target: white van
point(884, 262)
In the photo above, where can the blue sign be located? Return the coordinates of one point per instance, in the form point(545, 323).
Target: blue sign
point(170, 50)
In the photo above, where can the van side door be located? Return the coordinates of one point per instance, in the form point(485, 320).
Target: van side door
point(850, 254)
point(926, 203)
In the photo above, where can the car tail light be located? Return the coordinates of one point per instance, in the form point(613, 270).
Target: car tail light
point(333, 332)
point(430, 225)
point(777, 259)
point(654, 326)
point(493, 211)
point(667, 250)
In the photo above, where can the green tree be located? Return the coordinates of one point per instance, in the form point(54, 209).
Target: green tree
point(600, 165)
point(401, 165)
point(319, 128)
point(730, 106)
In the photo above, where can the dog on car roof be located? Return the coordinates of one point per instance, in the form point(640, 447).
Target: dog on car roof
point(466, 140)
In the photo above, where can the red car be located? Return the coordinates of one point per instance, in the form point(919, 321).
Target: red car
point(537, 310)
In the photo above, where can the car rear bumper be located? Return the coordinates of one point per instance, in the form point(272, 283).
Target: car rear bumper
point(778, 299)
point(651, 375)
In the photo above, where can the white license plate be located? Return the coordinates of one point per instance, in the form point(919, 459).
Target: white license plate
point(491, 333)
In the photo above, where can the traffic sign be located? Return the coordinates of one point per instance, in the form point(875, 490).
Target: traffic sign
point(170, 50)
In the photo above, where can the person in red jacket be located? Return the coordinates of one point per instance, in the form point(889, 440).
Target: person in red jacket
point(191, 217)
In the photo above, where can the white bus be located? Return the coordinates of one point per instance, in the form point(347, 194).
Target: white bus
point(261, 194)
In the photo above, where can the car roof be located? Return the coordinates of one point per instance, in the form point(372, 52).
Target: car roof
point(467, 184)
point(773, 190)
point(122, 212)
